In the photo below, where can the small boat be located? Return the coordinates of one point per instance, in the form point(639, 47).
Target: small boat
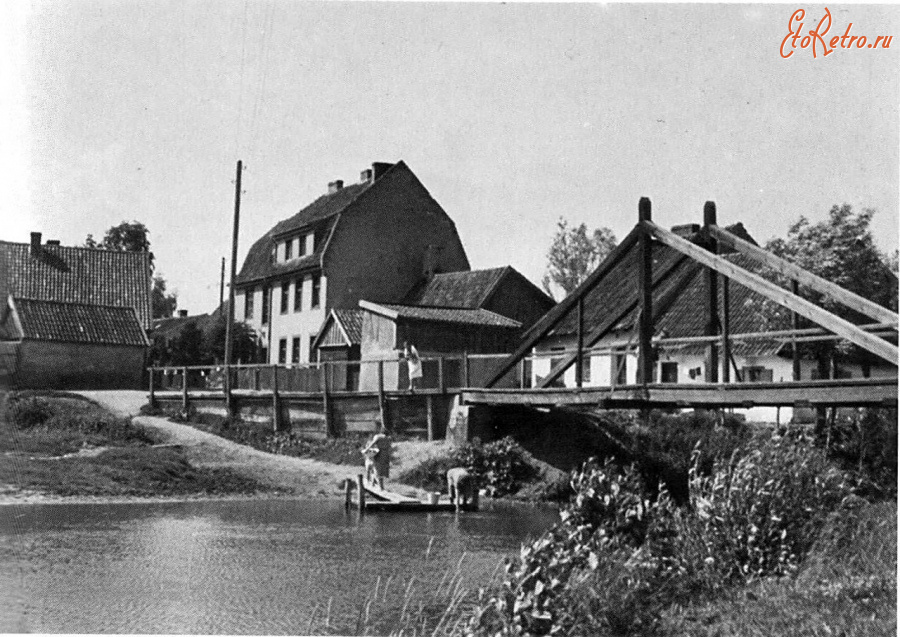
point(376, 499)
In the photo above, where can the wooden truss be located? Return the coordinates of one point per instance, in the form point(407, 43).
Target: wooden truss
point(718, 271)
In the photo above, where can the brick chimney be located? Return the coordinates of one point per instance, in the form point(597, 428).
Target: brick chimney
point(334, 186)
point(182, 313)
point(377, 170)
point(35, 243)
point(365, 176)
point(52, 242)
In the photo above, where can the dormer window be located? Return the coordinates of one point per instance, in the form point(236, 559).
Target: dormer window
point(288, 249)
point(302, 250)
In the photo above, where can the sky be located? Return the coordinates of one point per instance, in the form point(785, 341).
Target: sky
point(512, 115)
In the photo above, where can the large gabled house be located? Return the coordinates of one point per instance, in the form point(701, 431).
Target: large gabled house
point(374, 239)
point(73, 317)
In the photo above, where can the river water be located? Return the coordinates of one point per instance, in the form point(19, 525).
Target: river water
point(274, 566)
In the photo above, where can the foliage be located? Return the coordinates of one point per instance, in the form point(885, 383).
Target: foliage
point(618, 558)
point(243, 338)
point(574, 254)
point(500, 467)
point(865, 440)
point(840, 249)
point(29, 411)
point(201, 341)
point(163, 304)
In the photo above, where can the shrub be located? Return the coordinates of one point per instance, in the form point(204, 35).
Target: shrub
point(30, 411)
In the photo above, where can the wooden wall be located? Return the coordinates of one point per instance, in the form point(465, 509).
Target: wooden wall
point(52, 365)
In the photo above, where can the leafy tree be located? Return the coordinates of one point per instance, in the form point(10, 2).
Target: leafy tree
point(840, 249)
point(162, 304)
point(187, 347)
point(574, 254)
point(242, 335)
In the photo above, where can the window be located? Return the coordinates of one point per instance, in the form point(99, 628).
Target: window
point(316, 284)
point(301, 250)
point(295, 350)
point(249, 296)
point(619, 368)
point(756, 374)
point(285, 296)
point(669, 372)
point(265, 305)
point(288, 249)
point(312, 349)
point(298, 295)
point(282, 351)
point(585, 368)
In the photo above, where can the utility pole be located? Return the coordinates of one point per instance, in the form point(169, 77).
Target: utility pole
point(234, 246)
point(222, 283)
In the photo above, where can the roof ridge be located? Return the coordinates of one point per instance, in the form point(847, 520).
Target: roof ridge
point(69, 303)
point(53, 246)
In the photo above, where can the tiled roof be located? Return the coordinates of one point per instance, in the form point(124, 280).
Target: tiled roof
point(351, 320)
point(457, 289)
point(79, 275)
point(320, 214)
point(452, 315)
point(79, 323)
point(686, 317)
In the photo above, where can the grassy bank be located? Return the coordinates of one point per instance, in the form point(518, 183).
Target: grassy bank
point(66, 445)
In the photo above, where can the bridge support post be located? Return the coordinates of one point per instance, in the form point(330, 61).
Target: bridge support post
point(712, 290)
point(152, 389)
point(184, 390)
point(276, 408)
point(645, 285)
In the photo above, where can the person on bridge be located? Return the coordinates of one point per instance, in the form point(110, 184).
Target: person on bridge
point(414, 364)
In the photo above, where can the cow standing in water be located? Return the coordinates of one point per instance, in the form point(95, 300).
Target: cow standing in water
point(462, 488)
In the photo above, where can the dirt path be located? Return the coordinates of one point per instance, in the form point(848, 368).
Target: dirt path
point(295, 476)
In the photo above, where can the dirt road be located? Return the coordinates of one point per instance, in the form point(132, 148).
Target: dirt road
point(295, 476)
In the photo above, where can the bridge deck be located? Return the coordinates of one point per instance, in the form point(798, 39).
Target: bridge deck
point(880, 392)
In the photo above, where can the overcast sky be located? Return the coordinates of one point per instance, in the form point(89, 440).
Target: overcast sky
point(511, 115)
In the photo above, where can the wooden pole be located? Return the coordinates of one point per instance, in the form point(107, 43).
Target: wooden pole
point(275, 407)
point(429, 407)
point(361, 487)
point(579, 360)
point(222, 283)
point(523, 380)
point(256, 378)
point(441, 384)
point(465, 368)
point(234, 250)
point(152, 389)
point(712, 303)
point(326, 408)
point(382, 407)
point(795, 325)
point(348, 493)
point(645, 285)
point(184, 389)
point(726, 325)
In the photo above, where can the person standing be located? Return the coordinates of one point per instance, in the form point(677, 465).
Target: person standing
point(378, 458)
point(414, 364)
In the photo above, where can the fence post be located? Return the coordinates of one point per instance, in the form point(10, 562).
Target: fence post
point(326, 411)
point(361, 487)
point(579, 356)
point(441, 384)
point(429, 406)
point(184, 389)
point(522, 375)
point(276, 424)
point(256, 378)
point(152, 389)
point(465, 368)
point(227, 388)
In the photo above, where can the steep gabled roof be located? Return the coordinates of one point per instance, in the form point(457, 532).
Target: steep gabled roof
point(320, 215)
point(79, 323)
point(457, 289)
point(351, 320)
point(79, 275)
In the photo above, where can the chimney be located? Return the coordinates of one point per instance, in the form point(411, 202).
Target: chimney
point(35, 243)
point(365, 176)
point(686, 230)
point(379, 168)
point(182, 313)
point(52, 242)
point(334, 186)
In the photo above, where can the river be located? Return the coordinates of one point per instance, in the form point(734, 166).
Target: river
point(270, 566)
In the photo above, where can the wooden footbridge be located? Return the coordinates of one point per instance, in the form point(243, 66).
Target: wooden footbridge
point(662, 284)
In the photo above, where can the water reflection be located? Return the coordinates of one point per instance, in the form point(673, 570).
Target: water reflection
point(237, 567)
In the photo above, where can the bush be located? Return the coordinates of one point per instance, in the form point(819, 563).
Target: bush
point(30, 411)
point(865, 441)
point(499, 467)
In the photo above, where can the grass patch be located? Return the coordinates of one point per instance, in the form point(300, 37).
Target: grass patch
point(68, 445)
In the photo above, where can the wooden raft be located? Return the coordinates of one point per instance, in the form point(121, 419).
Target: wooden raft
point(372, 498)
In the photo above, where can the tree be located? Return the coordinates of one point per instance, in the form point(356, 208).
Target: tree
point(840, 249)
point(162, 304)
point(242, 335)
point(574, 254)
point(135, 237)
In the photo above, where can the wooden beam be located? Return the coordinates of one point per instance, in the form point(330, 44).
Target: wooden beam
point(795, 325)
point(559, 311)
point(826, 319)
point(645, 288)
point(579, 360)
point(711, 327)
point(792, 271)
point(606, 326)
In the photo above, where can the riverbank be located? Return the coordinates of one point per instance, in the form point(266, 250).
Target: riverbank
point(254, 472)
